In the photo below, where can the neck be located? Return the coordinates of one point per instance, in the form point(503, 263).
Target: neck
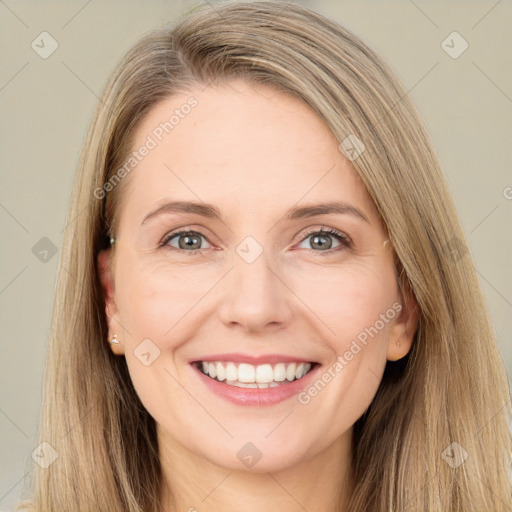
point(192, 483)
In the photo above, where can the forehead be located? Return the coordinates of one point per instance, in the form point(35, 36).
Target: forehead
point(240, 146)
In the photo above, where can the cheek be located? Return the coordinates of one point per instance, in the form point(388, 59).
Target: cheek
point(347, 299)
point(345, 388)
point(355, 306)
point(158, 301)
point(157, 310)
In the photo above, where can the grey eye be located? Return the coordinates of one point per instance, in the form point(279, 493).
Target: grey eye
point(187, 240)
point(323, 240)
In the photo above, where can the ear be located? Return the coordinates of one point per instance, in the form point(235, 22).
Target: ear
point(106, 278)
point(405, 326)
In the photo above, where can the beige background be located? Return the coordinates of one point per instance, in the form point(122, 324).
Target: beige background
point(47, 105)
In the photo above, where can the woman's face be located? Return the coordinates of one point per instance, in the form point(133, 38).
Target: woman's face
point(255, 288)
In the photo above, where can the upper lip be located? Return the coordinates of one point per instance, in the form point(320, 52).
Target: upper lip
point(254, 360)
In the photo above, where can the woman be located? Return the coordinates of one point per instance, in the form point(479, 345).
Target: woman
point(266, 301)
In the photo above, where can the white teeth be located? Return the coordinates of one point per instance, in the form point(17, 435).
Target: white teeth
point(299, 372)
point(261, 376)
point(279, 372)
point(246, 373)
point(231, 372)
point(290, 371)
point(221, 372)
point(264, 373)
point(239, 384)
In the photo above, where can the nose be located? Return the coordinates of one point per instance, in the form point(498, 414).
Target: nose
point(256, 297)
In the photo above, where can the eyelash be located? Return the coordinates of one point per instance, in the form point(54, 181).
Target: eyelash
point(344, 240)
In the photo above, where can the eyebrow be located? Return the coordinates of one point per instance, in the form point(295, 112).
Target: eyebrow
point(209, 211)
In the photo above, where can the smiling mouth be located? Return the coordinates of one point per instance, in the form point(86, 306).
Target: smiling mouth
point(261, 376)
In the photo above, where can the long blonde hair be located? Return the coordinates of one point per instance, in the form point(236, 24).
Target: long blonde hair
point(451, 387)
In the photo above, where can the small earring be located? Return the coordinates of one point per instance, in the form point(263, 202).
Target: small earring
point(114, 340)
point(398, 343)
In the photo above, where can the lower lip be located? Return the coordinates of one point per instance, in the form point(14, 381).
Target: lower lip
point(257, 396)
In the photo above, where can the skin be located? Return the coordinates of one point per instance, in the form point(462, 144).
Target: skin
point(253, 153)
